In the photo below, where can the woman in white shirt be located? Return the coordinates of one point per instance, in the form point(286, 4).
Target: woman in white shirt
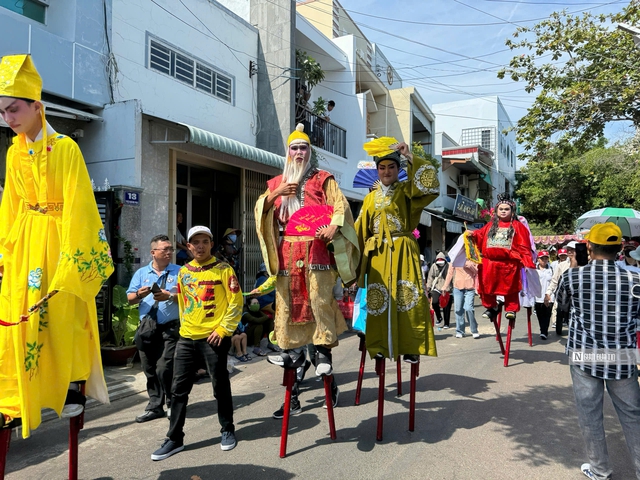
point(543, 312)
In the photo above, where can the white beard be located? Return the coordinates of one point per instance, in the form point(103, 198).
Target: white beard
point(293, 173)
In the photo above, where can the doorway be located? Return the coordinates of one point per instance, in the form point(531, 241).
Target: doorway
point(209, 197)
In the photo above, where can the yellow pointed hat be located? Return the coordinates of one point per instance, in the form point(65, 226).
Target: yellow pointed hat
point(380, 147)
point(19, 78)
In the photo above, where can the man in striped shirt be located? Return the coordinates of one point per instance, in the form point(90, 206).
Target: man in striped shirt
point(602, 346)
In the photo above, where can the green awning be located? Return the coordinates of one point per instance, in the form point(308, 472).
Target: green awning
point(233, 147)
point(486, 177)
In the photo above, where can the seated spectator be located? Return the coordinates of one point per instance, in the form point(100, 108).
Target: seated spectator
point(266, 300)
point(257, 324)
point(239, 342)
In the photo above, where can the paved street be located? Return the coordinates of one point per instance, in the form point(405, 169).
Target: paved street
point(475, 419)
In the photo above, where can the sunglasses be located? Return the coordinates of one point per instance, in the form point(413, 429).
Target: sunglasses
point(302, 148)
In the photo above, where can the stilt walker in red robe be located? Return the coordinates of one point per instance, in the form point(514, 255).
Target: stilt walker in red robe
point(506, 248)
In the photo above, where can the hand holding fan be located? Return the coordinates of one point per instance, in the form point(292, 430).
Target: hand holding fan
point(307, 220)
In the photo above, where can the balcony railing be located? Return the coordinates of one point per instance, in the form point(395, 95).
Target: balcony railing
point(325, 135)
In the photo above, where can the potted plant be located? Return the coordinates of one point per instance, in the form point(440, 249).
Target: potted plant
point(124, 323)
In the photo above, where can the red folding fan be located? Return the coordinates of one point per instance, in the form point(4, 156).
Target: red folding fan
point(307, 220)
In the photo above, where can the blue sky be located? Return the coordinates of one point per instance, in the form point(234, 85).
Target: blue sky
point(451, 31)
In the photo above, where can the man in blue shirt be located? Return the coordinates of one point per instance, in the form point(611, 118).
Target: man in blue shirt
point(157, 357)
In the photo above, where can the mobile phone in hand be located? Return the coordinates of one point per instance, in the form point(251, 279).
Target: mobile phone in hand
point(582, 257)
point(155, 288)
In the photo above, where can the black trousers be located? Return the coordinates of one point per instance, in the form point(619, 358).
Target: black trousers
point(157, 364)
point(435, 297)
point(188, 353)
point(544, 316)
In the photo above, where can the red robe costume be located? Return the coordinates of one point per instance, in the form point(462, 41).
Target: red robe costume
point(502, 259)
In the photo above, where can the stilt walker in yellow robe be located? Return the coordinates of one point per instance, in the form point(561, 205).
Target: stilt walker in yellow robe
point(51, 242)
point(398, 319)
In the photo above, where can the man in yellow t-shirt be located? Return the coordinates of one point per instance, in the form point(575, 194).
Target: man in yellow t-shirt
point(210, 303)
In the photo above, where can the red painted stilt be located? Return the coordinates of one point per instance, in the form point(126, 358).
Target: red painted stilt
point(529, 326)
point(498, 323)
point(75, 425)
point(399, 374)
point(498, 336)
point(328, 379)
point(412, 396)
point(380, 367)
point(512, 324)
point(363, 349)
point(287, 380)
point(5, 440)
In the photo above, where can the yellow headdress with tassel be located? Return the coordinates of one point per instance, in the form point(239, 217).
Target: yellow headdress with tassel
point(19, 78)
point(380, 147)
point(298, 136)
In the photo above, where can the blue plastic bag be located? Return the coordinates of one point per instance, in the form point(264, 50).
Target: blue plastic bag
point(360, 310)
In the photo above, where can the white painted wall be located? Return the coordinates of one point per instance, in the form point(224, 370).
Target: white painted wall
point(453, 117)
point(165, 97)
point(350, 110)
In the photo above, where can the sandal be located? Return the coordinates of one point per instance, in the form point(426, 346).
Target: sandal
point(247, 358)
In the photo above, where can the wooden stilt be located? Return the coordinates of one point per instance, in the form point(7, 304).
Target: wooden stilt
point(498, 322)
point(75, 425)
point(498, 336)
point(529, 326)
point(399, 374)
point(328, 398)
point(288, 380)
point(412, 396)
point(380, 370)
point(512, 324)
point(5, 440)
point(363, 349)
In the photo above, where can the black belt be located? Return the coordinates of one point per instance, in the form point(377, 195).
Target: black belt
point(168, 324)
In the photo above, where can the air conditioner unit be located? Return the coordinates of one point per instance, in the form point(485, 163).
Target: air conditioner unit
point(463, 181)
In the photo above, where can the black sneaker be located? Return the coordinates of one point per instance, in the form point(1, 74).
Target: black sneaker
point(335, 393)
point(412, 358)
point(169, 447)
point(288, 358)
point(295, 409)
point(489, 314)
point(228, 441)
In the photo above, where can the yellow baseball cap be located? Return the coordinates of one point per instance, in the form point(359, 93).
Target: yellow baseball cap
point(19, 78)
point(605, 234)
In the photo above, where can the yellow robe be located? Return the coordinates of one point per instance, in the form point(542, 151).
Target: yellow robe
point(328, 321)
point(398, 318)
point(51, 238)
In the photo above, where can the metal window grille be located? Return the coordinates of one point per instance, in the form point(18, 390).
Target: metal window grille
point(186, 69)
point(255, 184)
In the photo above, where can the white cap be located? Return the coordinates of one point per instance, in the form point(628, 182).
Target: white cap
point(198, 229)
point(571, 244)
point(422, 258)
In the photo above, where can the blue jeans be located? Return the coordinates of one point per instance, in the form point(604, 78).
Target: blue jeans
point(625, 395)
point(464, 304)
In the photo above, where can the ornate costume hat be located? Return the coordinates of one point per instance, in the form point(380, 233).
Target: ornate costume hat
point(383, 149)
point(19, 78)
point(505, 198)
point(298, 136)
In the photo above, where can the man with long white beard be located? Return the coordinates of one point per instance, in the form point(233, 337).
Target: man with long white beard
point(306, 269)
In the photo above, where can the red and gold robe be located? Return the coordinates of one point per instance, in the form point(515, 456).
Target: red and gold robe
point(306, 311)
